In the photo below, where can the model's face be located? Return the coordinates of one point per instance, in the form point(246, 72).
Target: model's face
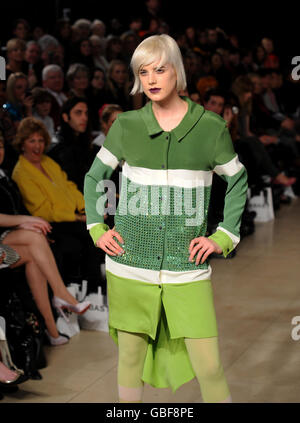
point(33, 148)
point(215, 104)
point(158, 82)
point(78, 118)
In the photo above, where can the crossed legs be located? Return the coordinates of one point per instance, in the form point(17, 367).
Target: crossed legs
point(204, 357)
point(40, 267)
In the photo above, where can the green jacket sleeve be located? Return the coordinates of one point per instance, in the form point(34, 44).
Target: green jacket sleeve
point(97, 180)
point(226, 164)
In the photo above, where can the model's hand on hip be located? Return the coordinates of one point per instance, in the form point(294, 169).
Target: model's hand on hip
point(107, 243)
point(204, 247)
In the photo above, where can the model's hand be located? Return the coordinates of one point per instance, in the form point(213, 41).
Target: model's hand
point(204, 246)
point(109, 245)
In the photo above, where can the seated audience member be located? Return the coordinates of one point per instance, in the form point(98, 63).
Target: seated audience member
point(15, 55)
point(21, 29)
point(74, 151)
point(271, 60)
point(98, 28)
point(98, 50)
point(78, 80)
point(24, 238)
point(35, 64)
point(107, 115)
point(83, 53)
point(118, 84)
point(19, 100)
point(83, 28)
point(42, 102)
point(97, 95)
point(49, 194)
point(51, 52)
point(113, 49)
point(53, 81)
point(255, 158)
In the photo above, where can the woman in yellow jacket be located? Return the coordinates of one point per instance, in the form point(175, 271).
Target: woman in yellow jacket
point(48, 193)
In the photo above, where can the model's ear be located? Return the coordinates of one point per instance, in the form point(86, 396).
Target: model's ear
point(65, 117)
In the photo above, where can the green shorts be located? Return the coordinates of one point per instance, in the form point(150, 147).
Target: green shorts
point(167, 313)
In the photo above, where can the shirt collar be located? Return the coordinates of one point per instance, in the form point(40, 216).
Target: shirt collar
point(194, 113)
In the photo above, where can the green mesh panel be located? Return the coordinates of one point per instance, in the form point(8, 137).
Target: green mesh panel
point(156, 236)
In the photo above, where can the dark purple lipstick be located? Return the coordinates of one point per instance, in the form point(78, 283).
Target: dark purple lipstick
point(154, 90)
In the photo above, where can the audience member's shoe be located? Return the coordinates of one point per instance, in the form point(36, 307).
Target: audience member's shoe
point(282, 179)
point(60, 340)
point(78, 308)
point(9, 377)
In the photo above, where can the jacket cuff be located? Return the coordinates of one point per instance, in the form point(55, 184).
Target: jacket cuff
point(98, 230)
point(223, 240)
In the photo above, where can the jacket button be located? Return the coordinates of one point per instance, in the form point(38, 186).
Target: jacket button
point(158, 258)
point(167, 137)
point(160, 227)
point(163, 166)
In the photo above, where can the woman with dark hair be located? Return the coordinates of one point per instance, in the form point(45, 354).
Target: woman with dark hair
point(83, 53)
point(97, 95)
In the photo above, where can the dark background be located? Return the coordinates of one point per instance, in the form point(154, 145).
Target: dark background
point(249, 20)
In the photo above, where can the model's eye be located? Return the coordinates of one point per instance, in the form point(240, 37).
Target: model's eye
point(143, 72)
point(160, 70)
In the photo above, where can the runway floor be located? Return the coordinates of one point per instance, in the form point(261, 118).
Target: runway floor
point(257, 293)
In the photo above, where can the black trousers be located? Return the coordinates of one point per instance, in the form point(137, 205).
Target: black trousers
point(76, 255)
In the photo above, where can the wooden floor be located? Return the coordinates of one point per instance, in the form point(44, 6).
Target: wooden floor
point(257, 293)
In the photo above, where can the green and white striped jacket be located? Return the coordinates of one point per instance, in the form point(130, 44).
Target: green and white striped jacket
point(165, 192)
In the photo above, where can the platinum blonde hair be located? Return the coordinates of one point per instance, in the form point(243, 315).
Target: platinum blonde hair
point(157, 48)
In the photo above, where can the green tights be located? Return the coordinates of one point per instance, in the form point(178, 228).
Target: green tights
point(204, 357)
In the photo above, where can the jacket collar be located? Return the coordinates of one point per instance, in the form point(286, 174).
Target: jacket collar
point(194, 113)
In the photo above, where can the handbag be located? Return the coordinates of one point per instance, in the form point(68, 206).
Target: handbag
point(96, 317)
point(24, 337)
point(262, 204)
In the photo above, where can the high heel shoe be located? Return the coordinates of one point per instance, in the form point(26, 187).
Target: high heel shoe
point(11, 377)
point(78, 308)
point(7, 362)
point(61, 340)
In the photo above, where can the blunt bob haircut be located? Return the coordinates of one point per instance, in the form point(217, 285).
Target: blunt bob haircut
point(161, 48)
